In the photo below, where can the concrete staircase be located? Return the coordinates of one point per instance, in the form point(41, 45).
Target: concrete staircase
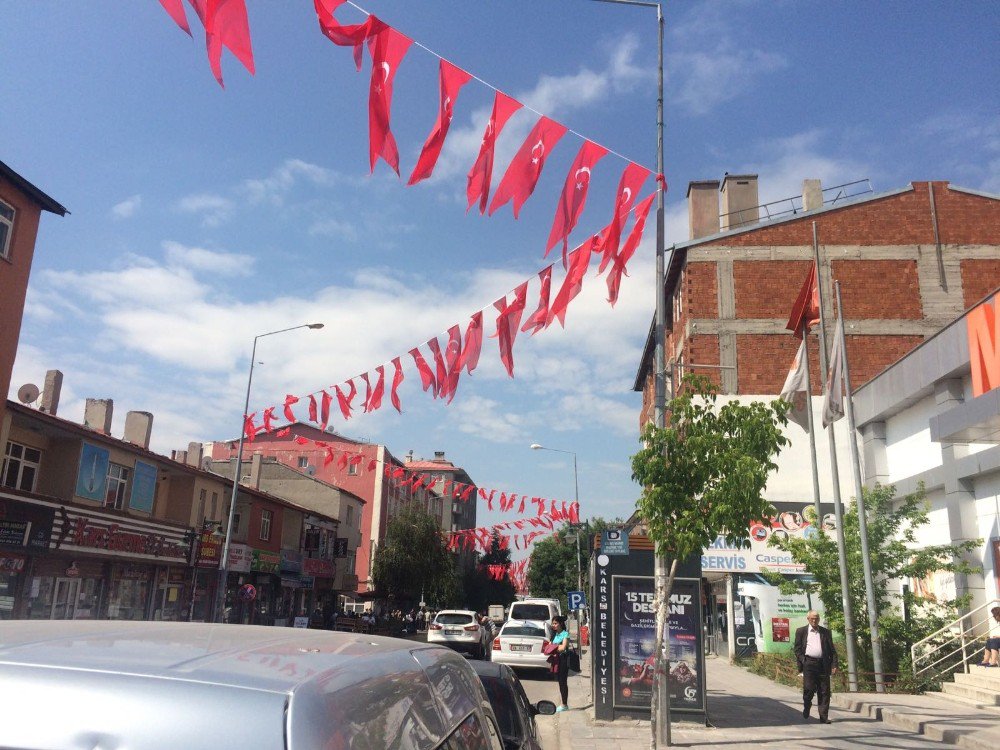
point(980, 688)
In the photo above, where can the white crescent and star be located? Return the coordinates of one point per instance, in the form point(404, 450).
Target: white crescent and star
point(541, 151)
point(626, 195)
point(579, 185)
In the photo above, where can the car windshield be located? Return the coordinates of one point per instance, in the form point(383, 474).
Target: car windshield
point(453, 618)
point(504, 706)
point(530, 630)
point(531, 612)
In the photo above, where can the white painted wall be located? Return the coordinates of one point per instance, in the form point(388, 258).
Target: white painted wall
point(909, 449)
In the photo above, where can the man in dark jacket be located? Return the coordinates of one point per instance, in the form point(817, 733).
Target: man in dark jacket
point(817, 661)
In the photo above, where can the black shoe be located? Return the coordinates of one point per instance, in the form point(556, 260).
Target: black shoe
point(805, 712)
point(824, 720)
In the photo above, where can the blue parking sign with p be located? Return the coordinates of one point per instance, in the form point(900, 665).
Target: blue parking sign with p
point(577, 599)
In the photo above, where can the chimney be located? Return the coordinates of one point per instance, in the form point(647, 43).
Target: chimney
point(408, 457)
point(255, 462)
point(97, 414)
point(739, 201)
point(439, 455)
point(138, 427)
point(194, 454)
point(812, 195)
point(180, 457)
point(703, 208)
point(51, 392)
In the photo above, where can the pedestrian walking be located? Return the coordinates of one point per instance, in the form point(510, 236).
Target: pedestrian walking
point(817, 660)
point(560, 666)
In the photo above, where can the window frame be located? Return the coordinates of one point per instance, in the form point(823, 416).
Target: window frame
point(266, 520)
point(120, 482)
point(352, 470)
point(8, 239)
point(22, 462)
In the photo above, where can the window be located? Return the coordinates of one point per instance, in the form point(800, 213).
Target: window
point(117, 483)
point(352, 469)
point(349, 521)
point(6, 228)
point(351, 562)
point(215, 507)
point(265, 524)
point(303, 462)
point(20, 466)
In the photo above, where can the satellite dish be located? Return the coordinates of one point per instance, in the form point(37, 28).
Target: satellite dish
point(27, 393)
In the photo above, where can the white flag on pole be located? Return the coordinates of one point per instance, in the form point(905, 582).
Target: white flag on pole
point(796, 390)
point(833, 402)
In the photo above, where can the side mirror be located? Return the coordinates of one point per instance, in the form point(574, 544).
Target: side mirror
point(545, 708)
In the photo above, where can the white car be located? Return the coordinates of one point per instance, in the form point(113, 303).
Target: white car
point(534, 609)
point(460, 630)
point(520, 644)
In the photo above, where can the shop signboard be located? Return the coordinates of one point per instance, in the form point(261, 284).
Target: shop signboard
point(10, 563)
point(210, 549)
point(77, 529)
point(239, 558)
point(92, 478)
point(614, 542)
point(24, 525)
point(263, 561)
point(291, 561)
point(143, 487)
point(635, 620)
point(313, 566)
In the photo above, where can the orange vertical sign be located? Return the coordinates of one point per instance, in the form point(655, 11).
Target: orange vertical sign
point(984, 345)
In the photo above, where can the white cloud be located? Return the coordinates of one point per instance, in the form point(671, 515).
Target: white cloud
point(215, 210)
point(342, 230)
point(127, 208)
point(954, 135)
point(198, 258)
point(273, 188)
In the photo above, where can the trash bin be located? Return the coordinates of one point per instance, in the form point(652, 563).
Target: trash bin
point(585, 635)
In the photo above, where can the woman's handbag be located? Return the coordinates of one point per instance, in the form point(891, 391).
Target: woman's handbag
point(574, 660)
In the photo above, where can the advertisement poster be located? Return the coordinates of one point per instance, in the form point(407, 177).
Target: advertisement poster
point(143, 487)
point(636, 629)
point(771, 618)
point(92, 480)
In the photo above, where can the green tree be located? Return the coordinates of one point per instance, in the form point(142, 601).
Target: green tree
point(892, 544)
point(703, 475)
point(552, 571)
point(414, 559)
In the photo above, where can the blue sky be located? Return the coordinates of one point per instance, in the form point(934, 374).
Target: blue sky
point(202, 217)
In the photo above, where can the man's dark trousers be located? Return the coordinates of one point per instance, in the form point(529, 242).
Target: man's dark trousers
point(816, 681)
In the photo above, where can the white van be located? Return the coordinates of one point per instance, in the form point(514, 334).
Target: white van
point(535, 610)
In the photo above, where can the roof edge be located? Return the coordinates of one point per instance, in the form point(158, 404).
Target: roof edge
point(42, 199)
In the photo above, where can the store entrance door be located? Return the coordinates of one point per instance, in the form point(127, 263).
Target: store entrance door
point(66, 596)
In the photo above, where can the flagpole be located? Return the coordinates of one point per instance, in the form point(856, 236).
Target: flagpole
point(838, 507)
point(812, 431)
point(866, 562)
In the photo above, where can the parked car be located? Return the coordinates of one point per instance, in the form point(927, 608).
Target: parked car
point(513, 710)
point(165, 685)
point(520, 644)
point(460, 629)
point(537, 610)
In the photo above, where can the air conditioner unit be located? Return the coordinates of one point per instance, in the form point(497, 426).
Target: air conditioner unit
point(311, 470)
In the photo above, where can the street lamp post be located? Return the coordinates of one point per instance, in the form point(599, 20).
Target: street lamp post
point(220, 594)
point(576, 497)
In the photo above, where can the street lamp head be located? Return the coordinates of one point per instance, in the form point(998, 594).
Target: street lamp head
point(315, 325)
point(536, 447)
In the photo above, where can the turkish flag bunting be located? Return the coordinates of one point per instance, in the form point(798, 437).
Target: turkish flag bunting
point(176, 10)
point(387, 48)
point(324, 410)
point(621, 259)
point(354, 35)
point(345, 400)
point(368, 392)
point(375, 399)
point(507, 322)
point(426, 376)
point(629, 185)
point(397, 378)
point(440, 368)
point(290, 400)
point(249, 429)
point(538, 319)
point(522, 173)
point(805, 311)
point(473, 343)
point(226, 25)
point(283, 433)
point(452, 79)
point(312, 409)
point(579, 262)
point(453, 361)
point(268, 418)
point(481, 174)
point(574, 195)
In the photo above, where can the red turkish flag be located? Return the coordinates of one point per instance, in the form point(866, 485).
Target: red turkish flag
point(374, 400)
point(478, 187)
point(249, 429)
point(289, 401)
point(426, 376)
point(324, 411)
point(353, 35)
point(579, 262)
point(387, 48)
point(397, 378)
point(440, 368)
point(345, 400)
point(226, 25)
point(312, 409)
point(805, 311)
point(538, 319)
point(452, 79)
point(574, 195)
point(522, 173)
point(631, 244)
point(629, 186)
point(473, 343)
point(507, 322)
point(176, 10)
point(453, 362)
point(268, 418)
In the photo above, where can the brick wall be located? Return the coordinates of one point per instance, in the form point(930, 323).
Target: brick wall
point(701, 290)
point(979, 278)
point(880, 289)
point(767, 288)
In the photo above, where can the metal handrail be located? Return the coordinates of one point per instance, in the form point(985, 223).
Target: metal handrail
point(956, 630)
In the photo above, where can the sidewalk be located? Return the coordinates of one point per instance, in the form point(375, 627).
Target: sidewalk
point(748, 711)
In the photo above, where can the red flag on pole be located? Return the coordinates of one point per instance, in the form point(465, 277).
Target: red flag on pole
point(452, 79)
point(397, 378)
point(574, 195)
point(538, 319)
point(478, 187)
point(805, 311)
point(507, 323)
point(620, 260)
point(628, 190)
point(522, 173)
point(387, 48)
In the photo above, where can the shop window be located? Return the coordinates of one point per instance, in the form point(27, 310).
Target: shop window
point(265, 524)
point(20, 467)
point(6, 229)
point(117, 485)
